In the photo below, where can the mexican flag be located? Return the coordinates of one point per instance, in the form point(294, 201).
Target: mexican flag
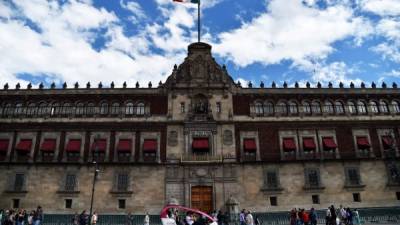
point(187, 1)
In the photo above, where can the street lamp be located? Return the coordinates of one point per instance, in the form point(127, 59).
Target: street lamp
point(96, 172)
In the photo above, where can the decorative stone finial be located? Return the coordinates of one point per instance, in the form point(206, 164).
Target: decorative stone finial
point(273, 84)
point(362, 85)
point(262, 84)
point(373, 85)
point(137, 84)
point(29, 86)
point(250, 85)
point(41, 86)
point(76, 86)
point(319, 85)
point(351, 85)
point(100, 85)
point(239, 84)
point(394, 85)
point(53, 85)
point(112, 85)
point(308, 85)
point(88, 85)
point(18, 86)
point(124, 84)
point(175, 67)
point(284, 84)
point(224, 68)
point(384, 85)
point(341, 85)
point(64, 85)
point(160, 83)
point(150, 84)
point(296, 85)
point(330, 85)
point(6, 86)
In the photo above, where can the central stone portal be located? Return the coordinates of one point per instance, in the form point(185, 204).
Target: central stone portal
point(202, 198)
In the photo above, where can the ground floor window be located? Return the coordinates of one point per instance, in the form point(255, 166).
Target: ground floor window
point(356, 197)
point(121, 203)
point(68, 203)
point(398, 195)
point(315, 199)
point(273, 200)
point(15, 203)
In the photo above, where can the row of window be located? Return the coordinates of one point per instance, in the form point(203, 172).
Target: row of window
point(260, 108)
point(78, 109)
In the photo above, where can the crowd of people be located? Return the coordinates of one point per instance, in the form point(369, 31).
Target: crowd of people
point(83, 218)
point(21, 217)
point(246, 218)
point(334, 216)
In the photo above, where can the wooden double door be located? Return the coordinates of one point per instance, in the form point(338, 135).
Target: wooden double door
point(202, 198)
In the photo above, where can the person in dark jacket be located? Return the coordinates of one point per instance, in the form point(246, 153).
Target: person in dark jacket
point(313, 217)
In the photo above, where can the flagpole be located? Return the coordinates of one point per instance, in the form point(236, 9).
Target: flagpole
point(198, 21)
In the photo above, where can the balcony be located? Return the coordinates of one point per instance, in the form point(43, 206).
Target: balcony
point(201, 158)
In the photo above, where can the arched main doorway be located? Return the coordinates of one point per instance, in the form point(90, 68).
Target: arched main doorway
point(202, 198)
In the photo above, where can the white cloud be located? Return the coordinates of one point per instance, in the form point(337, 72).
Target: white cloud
point(135, 9)
point(390, 28)
point(393, 73)
point(290, 30)
point(381, 7)
point(388, 51)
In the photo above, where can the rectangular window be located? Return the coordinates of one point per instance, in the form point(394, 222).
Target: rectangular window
point(312, 178)
point(218, 107)
point(68, 203)
point(398, 195)
point(70, 182)
point(315, 199)
point(356, 197)
point(19, 182)
point(182, 107)
point(122, 182)
point(272, 179)
point(121, 203)
point(353, 177)
point(15, 203)
point(273, 200)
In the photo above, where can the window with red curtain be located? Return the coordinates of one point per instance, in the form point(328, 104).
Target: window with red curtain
point(24, 145)
point(150, 145)
point(363, 143)
point(328, 143)
point(200, 144)
point(74, 145)
point(289, 144)
point(48, 145)
point(249, 145)
point(4, 143)
point(387, 142)
point(99, 145)
point(309, 144)
point(124, 145)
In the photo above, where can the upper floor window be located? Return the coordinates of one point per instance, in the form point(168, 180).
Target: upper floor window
point(19, 182)
point(80, 109)
point(8, 110)
point(281, 108)
point(328, 107)
point(122, 182)
point(183, 107)
point(18, 109)
point(115, 108)
point(66, 109)
point(374, 107)
point(104, 108)
point(42, 109)
point(383, 106)
point(218, 107)
point(269, 108)
point(352, 177)
point(312, 177)
point(362, 108)
point(70, 182)
point(129, 109)
point(293, 108)
point(259, 108)
point(271, 179)
point(32, 110)
point(140, 109)
point(306, 108)
point(396, 107)
point(316, 107)
point(339, 107)
point(91, 109)
point(352, 108)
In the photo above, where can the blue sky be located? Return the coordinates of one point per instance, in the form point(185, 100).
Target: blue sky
point(140, 40)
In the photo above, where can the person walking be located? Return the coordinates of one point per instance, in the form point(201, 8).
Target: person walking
point(249, 218)
point(356, 216)
point(75, 219)
point(313, 217)
point(242, 218)
point(94, 218)
point(38, 217)
point(146, 220)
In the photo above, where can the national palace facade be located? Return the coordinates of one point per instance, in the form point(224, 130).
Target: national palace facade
point(200, 140)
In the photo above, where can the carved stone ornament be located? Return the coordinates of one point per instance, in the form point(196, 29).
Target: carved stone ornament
point(228, 137)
